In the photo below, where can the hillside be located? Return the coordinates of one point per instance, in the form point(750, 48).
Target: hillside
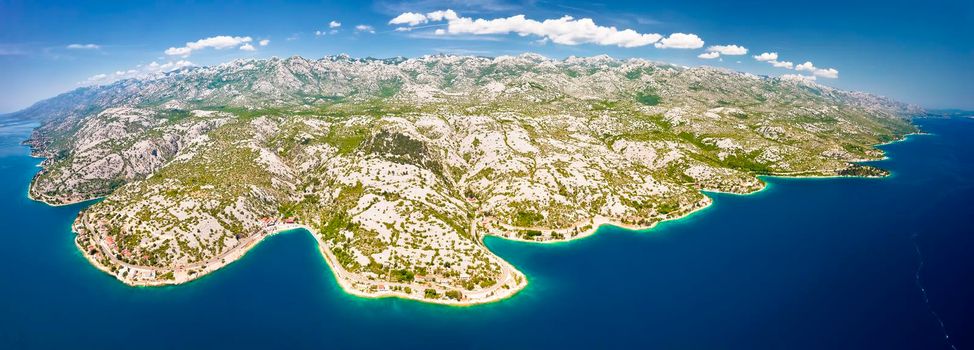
point(400, 167)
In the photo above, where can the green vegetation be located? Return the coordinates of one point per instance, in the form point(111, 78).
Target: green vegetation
point(389, 88)
point(527, 219)
point(529, 234)
point(454, 294)
point(396, 166)
point(648, 98)
point(403, 276)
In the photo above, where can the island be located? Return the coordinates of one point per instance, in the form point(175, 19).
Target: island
point(399, 168)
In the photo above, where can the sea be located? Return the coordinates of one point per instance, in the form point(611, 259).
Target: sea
point(838, 263)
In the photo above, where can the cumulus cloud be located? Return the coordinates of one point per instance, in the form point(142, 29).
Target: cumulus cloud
point(141, 71)
point(830, 73)
point(409, 18)
point(217, 42)
point(334, 24)
point(782, 64)
point(772, 58)
point(565, 30)
point(365, 28)
point(264, 42)
point(83, 47)
point(248, 47)
point(680, 41)
point(709, 55)
point(440, 15)
point(179, 51)
point(716, 50)
point(767, 56)
point(807, 66)
point(728, 50)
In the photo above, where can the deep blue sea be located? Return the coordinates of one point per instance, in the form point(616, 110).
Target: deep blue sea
point(805, 264)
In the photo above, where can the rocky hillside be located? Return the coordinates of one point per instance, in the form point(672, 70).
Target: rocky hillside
point(401, 166)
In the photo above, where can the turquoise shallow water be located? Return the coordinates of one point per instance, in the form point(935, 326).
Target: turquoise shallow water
point(805, 264)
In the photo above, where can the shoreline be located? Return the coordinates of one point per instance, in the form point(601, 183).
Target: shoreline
point(597, 224)
point(342, 277)
point(601, 221)
point(347, 282)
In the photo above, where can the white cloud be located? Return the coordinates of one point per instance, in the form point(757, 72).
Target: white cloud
point(807, 66)
point(782, 64)
point(728, 50)
point(830, 73)
point(264, 42)
point(709, 55)
point(248, 47)
point(365, 28)
point(565, 30)
point(334, 24)
point(410, 18)
point(680, 41)
point(767, 56)
point(217, 42)
point(772, 58)
point(83, 46)
point(437, 16)
point(179, 51)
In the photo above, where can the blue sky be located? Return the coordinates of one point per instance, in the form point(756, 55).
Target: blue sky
point(917, 52)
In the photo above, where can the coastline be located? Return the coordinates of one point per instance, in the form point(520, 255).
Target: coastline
point(342, 277)
point(348, 284)
point(599, 221)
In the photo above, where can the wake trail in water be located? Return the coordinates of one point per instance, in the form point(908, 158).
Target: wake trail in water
point(923, 292)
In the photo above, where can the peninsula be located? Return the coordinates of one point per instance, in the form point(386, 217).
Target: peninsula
point(400, 167)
